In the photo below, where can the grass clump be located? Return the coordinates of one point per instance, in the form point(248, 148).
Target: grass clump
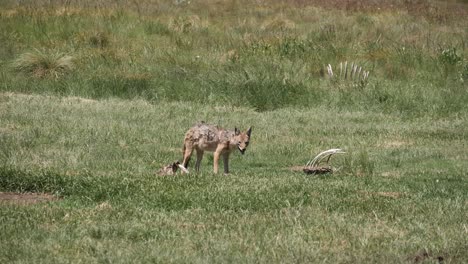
point(156, 28)
point(185, 24)
point(278, 24)
point(40, 64)
point(99, 39)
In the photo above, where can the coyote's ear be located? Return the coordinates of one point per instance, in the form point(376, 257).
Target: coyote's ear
point(249, 131)
point(236, 131)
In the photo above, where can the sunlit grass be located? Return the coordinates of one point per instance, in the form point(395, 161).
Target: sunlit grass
point(253, 55)
point(401, 187)
point(95, 97)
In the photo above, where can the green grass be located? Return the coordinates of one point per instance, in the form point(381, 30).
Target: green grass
point(401, 189)
point(95, 98)
point(244, 54)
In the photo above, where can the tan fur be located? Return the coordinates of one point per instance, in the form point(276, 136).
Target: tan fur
point(204, 137)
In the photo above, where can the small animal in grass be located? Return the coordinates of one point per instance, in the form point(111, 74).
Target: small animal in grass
point(171, 169)
point(205, 137)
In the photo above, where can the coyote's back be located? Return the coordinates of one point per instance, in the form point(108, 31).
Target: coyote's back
point(205, 137)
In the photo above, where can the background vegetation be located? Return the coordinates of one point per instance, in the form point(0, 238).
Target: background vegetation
point(262, 55)
point(95, 97)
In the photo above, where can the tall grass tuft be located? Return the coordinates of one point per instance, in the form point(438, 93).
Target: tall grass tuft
point(44, 65)
point(278, 24)
point(99, 39)
point(184, 24)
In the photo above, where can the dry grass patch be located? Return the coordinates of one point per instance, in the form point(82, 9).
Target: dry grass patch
point(78, 100)
point(278, 24)
point(394, 143)
point(231, 55)
point(391, 174)
point(184, 24)
point(103, 206)
point(296, 168)
point(25, 198)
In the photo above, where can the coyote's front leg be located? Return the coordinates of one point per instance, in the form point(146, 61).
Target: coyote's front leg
point(226, 162)
point(216, 161)
point(199, 159)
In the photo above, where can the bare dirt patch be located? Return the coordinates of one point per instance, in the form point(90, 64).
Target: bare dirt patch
point(296, 168)
point(25, 198)
point(423, 256)
point(384, 194)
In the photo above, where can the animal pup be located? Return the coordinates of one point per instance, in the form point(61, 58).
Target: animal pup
point(205, 137)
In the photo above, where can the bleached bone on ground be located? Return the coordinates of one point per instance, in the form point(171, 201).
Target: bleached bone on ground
point(313, 166)
point(354, 72)
point(172, 168)
point(182, 168)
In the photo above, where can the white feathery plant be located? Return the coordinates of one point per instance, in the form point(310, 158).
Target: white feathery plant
point(354, 73)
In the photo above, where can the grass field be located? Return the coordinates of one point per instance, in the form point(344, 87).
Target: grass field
point(95, 98)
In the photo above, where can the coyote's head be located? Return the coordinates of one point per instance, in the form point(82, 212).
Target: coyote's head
point(242, 139)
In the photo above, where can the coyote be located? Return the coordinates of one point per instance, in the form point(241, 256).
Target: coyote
point(204, 137)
